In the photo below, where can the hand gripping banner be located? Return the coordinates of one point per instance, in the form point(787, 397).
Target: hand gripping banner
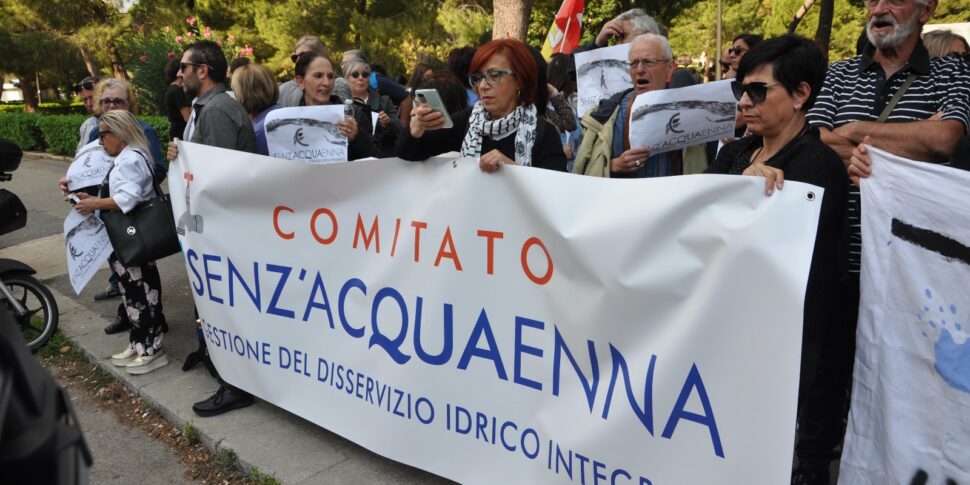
point(525, 326)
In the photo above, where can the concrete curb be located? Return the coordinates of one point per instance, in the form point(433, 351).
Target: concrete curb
point(263, 436)
point(49, 156)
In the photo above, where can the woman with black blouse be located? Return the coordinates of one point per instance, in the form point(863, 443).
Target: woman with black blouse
point(777, 83)
point(502, 127)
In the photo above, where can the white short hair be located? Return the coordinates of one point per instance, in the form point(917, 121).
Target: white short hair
point(665, 49)
point(642, 23)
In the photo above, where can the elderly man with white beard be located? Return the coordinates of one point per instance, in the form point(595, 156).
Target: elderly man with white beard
point(896, 98)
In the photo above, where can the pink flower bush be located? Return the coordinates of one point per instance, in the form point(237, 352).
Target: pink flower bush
point(171, 55)
point(231, 38)
point(190, 20)
point(143, 58)
point(189, 34)
point(207, 32)
point(178, 38)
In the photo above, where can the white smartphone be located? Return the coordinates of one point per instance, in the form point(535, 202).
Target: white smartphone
point(430, 97)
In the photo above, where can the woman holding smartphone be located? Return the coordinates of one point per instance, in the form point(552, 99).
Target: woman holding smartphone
point(128, 184)
point(501, 128)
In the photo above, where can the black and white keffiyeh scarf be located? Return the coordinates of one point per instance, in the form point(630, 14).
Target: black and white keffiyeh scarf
point(522, 120)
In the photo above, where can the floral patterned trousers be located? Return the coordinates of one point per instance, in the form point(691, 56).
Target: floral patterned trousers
point(141, 301)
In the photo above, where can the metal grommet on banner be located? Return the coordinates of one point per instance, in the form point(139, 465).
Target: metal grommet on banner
point(810, 196)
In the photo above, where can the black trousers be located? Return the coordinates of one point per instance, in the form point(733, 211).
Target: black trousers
point(825, 406)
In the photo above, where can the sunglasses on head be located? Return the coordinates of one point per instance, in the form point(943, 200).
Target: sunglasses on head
point(295, 57)
point(359, 74)
point(87, 85)
point(757, 91)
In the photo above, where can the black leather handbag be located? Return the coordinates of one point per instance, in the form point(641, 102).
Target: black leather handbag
point(147, 232)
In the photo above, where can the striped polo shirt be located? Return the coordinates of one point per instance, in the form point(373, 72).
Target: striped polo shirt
point(857, 90)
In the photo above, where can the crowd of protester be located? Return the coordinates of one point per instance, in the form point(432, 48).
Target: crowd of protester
point(799, 118)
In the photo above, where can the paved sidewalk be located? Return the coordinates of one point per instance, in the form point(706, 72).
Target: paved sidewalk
point(279, 443)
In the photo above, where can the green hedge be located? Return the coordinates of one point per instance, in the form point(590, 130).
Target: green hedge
point(59, 133)
point(160, 124)
point(21, 128)
point(47, 108)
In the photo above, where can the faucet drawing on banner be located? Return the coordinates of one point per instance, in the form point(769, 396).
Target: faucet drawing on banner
point(188, 222)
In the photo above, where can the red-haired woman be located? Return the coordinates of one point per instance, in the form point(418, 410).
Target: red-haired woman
point(502, 127)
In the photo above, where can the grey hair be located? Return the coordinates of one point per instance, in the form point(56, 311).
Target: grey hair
point(642, 23)
point(111, 82)
point(665, 49)
point(125, 126)
point(938, 42)
point(314, 44)
point(349, 66)
point(356, 54)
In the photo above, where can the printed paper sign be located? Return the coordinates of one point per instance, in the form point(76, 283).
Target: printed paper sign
point(601, 73)
point(90, 167)
point(87, 246)
point(306, 133)
point(418, 310)
point(910, 416)
point(671, 119)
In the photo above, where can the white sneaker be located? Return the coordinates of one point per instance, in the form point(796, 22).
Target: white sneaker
point(123, 358)
point(147, 363)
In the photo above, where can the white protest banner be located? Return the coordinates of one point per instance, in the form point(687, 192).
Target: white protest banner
point(90, 166)
point(910, 413)
point(489, 330)
point(87, 246)
point(306, 133)
point(671, 119)
point(601, 73)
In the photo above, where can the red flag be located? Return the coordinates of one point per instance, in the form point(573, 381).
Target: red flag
point(564, 34)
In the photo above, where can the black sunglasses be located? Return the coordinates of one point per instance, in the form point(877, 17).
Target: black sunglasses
point(757, 91)
point(359, 74)
point(87, 85)
point(183, 65)
point(737, 50)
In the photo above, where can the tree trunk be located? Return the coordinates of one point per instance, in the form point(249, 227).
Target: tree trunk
point(119, 67)
point(799, 15)
point(824, 33)
point(29, 90)
point(511, 19)
point(89, 61)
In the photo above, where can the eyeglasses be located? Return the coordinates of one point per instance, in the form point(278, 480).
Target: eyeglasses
point(87, 85)
point(492, 77)
point(757, 91)
point(113, 101)
point(736, 51)
point(183, 65)
point(646, 63)
point(359, 74)
point(102, 133)
point(889, 3)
